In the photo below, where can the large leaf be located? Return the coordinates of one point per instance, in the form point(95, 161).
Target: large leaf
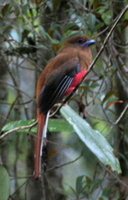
point(54, 125)
point(92, 138)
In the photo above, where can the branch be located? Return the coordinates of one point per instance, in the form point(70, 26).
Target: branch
point(16, 88)
point(20, 50)
point(16, 129)
point(64, 164)
point(121, 115)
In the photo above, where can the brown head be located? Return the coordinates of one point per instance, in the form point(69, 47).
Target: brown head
point(80, 40)
point(78, 45)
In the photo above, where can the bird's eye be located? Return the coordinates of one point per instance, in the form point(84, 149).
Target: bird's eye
point(80, 40)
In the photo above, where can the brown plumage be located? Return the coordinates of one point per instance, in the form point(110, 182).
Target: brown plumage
point(60, 76)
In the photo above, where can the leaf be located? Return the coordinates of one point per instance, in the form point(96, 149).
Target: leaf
point(101, 126)
point(70, 26)
point(59, 125)
point(69, 33)
point(18, 123)
point(4, 183)
point(92, 138)
point(91, 19)
point(54, 125)
point(79, 182)
point(47, 37)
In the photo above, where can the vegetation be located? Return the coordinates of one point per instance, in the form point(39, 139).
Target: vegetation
point(87, 155)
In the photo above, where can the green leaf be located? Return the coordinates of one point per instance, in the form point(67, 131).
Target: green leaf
point(91, 19)
point(4, 183)
point(79, 182)
point(92, 138)
point(54, 125)
point(70, 26)
point(59, 125)
point(101, 125)
point(18, 123)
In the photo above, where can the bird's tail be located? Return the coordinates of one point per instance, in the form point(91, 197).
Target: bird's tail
point(40, 139)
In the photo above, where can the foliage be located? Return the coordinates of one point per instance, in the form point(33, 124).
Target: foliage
point(91, 138)
point(30, 33)
point(54, 125)
point(85, 189)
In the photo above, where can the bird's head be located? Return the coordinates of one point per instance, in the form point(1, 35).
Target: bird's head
point(81, 41)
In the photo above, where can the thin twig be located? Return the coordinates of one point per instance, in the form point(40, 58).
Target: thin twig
point(16, 88)
point(20, 187)
point(17, 128)
point(116, 177)
point(64, 164)
point(121, 115)
point(11, 107)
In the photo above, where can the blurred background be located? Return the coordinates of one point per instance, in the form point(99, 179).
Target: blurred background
point(31, 32)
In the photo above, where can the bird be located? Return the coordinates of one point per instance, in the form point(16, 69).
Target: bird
point(59, 78)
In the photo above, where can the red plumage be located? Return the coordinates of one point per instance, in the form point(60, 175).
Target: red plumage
point(76, 81)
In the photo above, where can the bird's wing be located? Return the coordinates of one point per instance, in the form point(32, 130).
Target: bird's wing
point(56, 85)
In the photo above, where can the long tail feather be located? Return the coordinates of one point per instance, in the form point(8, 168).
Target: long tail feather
point(39, 144)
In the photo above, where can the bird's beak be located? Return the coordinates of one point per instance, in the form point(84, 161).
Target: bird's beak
point(89, 42)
